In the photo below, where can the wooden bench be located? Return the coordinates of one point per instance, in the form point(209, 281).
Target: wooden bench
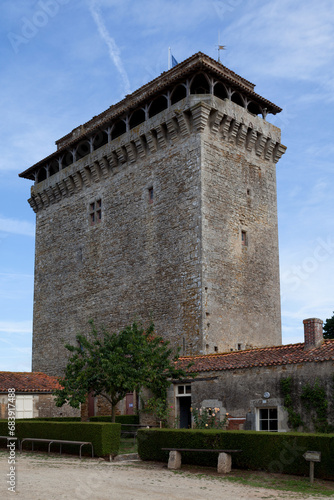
point(58, 441)
point(224, 458)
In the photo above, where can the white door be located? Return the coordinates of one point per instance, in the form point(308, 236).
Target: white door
point(24, 406)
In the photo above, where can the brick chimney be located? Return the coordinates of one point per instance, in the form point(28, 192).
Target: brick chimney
point(313, 333)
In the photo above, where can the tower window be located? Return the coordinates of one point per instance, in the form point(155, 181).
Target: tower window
point(244, 238)
point(150, 195)
point(95, 212)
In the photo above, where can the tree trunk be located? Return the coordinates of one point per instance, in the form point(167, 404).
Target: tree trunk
point(113, 413)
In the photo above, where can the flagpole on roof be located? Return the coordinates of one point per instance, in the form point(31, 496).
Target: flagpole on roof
point(169, 58)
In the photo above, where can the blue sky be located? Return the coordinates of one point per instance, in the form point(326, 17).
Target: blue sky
point(64, 61)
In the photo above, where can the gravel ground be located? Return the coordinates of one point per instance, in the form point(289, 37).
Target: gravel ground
point(40, 477)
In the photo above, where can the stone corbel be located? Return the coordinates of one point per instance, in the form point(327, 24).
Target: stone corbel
point(242, 134)
point(33, 204)
point(121, 155)
point(69, 185)
point(278, 152)
point(131, 152)
point(161, 136)
point(45, 199)
point(84, 177)
point(50, 194)
point(216, 121)
point(184, 125)
point(251, 139)
point(104, 166)
point(151, 141)
point(268, 150)
point(234, 132)
point(173, 129)
point(260, 144)
point(62, 186)
point(200, 113)
point(140, 147)
point(95, 171)
point(225, 126)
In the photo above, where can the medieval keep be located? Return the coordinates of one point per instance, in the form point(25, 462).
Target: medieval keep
point(164, 205)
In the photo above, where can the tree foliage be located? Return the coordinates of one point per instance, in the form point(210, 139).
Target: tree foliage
point(329, 328)
point(111, 365)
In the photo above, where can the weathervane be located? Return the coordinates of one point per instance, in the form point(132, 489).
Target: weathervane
point(220, 47)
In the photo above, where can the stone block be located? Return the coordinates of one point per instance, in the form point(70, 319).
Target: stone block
point(224, 463)
point(174, 461)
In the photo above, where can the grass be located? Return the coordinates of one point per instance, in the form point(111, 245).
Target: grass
point(128, 445)
point(277, 482)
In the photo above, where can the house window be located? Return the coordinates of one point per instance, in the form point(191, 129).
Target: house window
point(95, 212)
point(150, 195)
point(268, 420)
point(183, 390)
point(244, 238)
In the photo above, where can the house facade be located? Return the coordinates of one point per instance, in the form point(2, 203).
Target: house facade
point(272, 388)
point(33, 396)
point(162, 206)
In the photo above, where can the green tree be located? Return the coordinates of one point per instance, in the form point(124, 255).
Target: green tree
point(329, 328)
point(111, 365)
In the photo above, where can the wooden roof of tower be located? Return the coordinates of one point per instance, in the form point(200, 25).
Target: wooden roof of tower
point(196, 63)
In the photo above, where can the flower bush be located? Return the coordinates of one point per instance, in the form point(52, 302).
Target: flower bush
point(208, 418)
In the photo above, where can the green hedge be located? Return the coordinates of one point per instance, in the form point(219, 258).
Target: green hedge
point(104, 436)
point(269, 451)
point(120, 419)
point(52, 419)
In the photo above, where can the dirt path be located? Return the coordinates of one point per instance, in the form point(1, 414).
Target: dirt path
point(60, 478)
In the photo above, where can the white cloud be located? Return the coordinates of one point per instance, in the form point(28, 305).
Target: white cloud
point(113, 49)
point(16, 226)
point(295, 40)
point(12, 327)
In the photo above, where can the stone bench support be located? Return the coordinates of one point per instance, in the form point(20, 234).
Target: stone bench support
point(174, 461)
point(224, 463)
point(224, 458)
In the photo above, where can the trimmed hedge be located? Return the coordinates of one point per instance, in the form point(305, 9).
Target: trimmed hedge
point(269, 451)
point(120, 419)
point(104, 436)
point(51, 419)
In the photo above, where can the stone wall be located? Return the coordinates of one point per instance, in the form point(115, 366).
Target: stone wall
point(241, 303)
point(241, 392)
point(211, 165)
point(141, 260)
point(43, 406)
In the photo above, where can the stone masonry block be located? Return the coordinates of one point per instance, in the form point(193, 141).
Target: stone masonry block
point(224, 463)
point(174, 461)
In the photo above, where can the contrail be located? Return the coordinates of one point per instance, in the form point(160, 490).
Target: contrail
point(111, 44)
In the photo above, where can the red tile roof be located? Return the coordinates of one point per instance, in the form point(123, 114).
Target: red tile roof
point(264, 356)
point(27, 382)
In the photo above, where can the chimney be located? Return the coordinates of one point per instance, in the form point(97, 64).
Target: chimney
point(313, 334)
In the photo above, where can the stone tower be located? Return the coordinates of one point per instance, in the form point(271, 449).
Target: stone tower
point(162, 205)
